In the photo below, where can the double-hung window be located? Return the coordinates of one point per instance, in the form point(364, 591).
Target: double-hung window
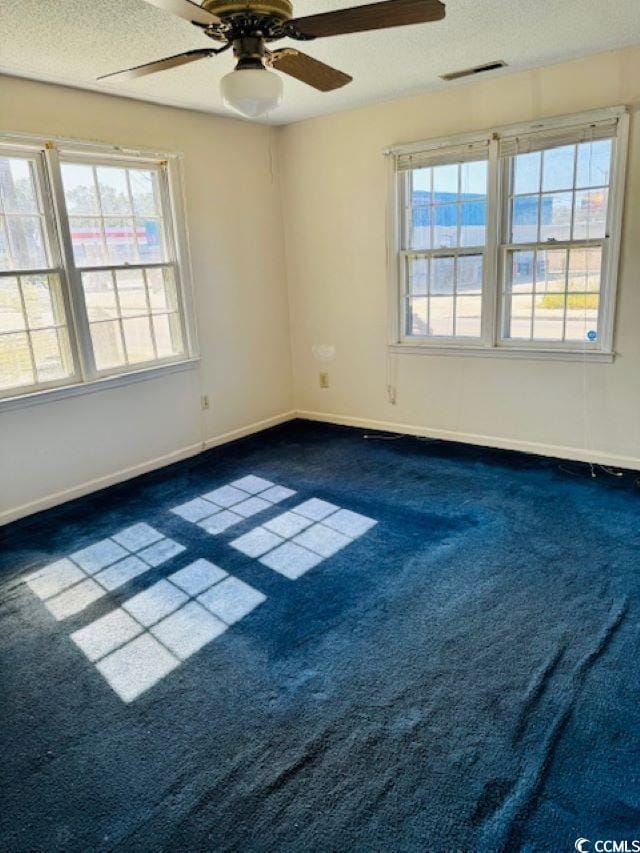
point(93, 272)
point(35, 347)
point(444, 224)
point(508, 241)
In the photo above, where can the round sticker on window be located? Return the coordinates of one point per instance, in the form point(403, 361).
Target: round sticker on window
point(592, 335)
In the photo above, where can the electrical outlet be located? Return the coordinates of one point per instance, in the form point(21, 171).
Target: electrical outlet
point(324, 380)
point(204, 402)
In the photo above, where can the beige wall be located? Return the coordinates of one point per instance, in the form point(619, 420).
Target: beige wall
point(325, 205)
point(240, 294)
point(334, 195)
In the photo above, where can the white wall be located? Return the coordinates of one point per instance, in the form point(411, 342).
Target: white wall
point(334, 193)
point(52, 451)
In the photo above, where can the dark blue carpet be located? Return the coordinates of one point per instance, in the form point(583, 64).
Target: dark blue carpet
point(464, 676)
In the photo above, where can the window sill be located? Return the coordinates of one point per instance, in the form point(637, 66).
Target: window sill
point(50, 395)
point(503, 352)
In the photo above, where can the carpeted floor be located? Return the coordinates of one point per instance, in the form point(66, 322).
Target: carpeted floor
point(449, 661)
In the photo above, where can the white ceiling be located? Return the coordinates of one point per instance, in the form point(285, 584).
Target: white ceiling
point(74, 41)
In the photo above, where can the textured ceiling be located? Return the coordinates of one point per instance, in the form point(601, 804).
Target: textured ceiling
point(74, 41)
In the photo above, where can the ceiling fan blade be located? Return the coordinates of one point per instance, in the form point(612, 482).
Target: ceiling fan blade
point(187, 10)
point(161, 64)
point(374, 16)
point(307, 69)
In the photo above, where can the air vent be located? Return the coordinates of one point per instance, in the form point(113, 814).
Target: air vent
point(469, 72)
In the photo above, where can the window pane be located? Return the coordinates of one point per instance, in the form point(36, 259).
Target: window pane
point(43, 300)
point(594, 163)
point(526, 173)
point(99, 295)
point(79, 189)
point(473, 179)
point(442, 275)
point(582, 317)
point(15, 361)
point(557, 168)
point(441, 316)
point(522, 272)
point(421, 186)
point(418, 276)
point(26, 242)
point(524, 219)
point(417, 323)
point(11, 315)
point(585, 269)
point(521, 312)
point(145, 192)
point(551, 271)
point(468, 311)
point(114, 193)
point(421, 228)
point(590, 217)
point(469, 274)
point(548, 323)
point(473, 224)
point(168, 335)
point(131, 293)
point(138, 341)
point(549, 304)
point(445, 183)
point(120, 235)
point(18, 186)
point(162, 290)
point(555, 213)
point(107, 345)
point(150, 240)
point(51, 363)
point(445, 232)
point(88, 241)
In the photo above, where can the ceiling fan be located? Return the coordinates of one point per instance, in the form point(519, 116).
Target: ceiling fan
point(248, 26)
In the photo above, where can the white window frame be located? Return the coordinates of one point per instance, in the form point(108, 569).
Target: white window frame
point(48, 154)
point(492, 343)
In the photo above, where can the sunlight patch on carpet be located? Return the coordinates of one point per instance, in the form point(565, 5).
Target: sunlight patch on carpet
point(221, 508)
point(66, 587)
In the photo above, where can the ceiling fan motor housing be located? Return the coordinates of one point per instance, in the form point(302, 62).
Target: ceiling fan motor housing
point(282, 9)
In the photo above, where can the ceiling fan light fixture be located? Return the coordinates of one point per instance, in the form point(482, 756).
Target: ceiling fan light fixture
point(251, 91)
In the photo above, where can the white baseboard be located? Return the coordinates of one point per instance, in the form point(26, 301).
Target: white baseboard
point(557, 451)
point(103, 482)
point(258, 426)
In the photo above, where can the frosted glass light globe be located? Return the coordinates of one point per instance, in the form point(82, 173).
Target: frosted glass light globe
point(251, 91)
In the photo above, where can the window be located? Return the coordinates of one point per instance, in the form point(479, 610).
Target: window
point(556, 197)
point(508, 240)
point(446, 211)
point(34, 337)
point(90, 280)
point(117, 230)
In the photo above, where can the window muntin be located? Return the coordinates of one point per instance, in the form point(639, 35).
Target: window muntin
point(35, 349)
point(443, 249)
point(558, 195)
